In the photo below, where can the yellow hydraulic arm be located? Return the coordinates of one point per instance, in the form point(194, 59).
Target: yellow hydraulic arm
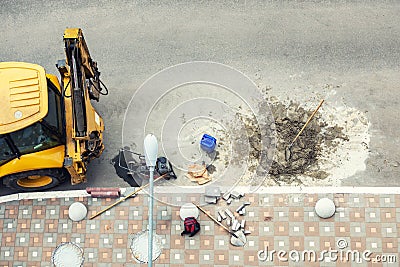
point(81, 83)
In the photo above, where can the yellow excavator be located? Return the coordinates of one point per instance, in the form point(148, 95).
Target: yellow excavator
point(49, 130)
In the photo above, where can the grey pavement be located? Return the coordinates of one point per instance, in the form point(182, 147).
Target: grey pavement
point(285, 44)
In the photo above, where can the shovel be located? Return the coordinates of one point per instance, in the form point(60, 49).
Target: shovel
point(288, 151)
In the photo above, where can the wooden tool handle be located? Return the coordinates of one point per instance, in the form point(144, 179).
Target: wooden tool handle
point(128, 196)
point(307, 122)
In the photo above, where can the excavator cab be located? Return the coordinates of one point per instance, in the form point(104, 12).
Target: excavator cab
point(49, 131)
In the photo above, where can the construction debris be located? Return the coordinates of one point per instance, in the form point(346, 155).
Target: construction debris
point(241, 207)
point(242, 212)
point(198, 173)
point(236, 194)
point(226, 196)
point(210, 200)
point(213, 191)
point(222, 214)
point(230, 214)
point(216, 221)
point(238, 225)
point(232, 225)
point(235, 225)
point(212, 195)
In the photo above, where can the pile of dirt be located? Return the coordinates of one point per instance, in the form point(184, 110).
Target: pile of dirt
point(289, 119)
point(305, 151)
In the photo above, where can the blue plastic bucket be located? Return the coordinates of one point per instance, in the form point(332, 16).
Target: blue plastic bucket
point(208, 143)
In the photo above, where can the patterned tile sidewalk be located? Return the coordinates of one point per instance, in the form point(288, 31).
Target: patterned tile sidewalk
point(31, 230)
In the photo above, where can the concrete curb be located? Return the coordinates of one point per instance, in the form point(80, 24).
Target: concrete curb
point(44, 195)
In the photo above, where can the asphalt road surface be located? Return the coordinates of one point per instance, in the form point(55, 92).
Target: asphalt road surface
point(354, 45)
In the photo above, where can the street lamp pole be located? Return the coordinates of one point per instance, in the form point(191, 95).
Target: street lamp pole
point(150, 152)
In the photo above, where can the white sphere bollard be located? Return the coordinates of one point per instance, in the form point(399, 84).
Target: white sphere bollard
point(325, 208)
point(77, 211)
point(188, 210)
